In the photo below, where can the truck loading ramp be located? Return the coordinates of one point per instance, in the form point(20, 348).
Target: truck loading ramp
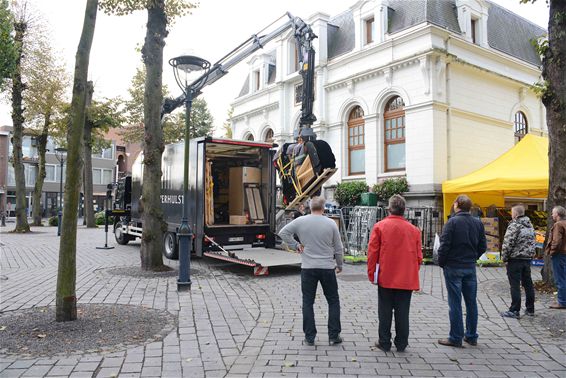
point(261, 259)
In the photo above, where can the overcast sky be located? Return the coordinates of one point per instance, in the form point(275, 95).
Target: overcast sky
point(211, 31)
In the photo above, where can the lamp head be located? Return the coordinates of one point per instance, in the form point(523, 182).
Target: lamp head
point(184, 66)
point(60, 152)
point(189, 63)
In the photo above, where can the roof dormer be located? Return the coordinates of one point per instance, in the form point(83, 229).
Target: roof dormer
point(370, 19)
point(262, 71)
point(472, 18)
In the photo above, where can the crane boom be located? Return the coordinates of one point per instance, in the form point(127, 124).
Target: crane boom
point(303, 37)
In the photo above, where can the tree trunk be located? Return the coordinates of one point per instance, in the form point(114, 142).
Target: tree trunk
point(66, 300)
point(152, 215)
point(41, 149)
point(554, 100)
point(18, 88)
point(87, 184)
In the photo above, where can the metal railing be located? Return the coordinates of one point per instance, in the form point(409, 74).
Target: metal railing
point(359, 222)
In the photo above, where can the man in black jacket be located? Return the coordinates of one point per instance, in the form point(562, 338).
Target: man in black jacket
point(461, 244)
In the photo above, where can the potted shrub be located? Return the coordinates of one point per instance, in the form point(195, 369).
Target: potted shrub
point(348, 193)
point(389, 187)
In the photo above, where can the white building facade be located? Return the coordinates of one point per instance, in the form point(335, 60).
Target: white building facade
point(426, 89)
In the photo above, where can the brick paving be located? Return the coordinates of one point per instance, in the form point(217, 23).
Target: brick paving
point(234, 325)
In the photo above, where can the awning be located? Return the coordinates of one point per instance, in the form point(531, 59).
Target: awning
point(520, 172)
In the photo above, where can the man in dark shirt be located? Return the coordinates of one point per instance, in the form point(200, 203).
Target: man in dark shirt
point(461, 244)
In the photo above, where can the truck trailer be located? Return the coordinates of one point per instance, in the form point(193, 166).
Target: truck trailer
point(232, 202)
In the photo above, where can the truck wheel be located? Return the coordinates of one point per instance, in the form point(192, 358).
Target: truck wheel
point(121, 238)
point(170, 246)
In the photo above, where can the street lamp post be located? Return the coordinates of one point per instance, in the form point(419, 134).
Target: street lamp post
point(182, 67)
point(60, 155)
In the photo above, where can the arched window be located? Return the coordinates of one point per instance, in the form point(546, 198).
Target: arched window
point(394, 139)
point(269, 136)
point(249, 137)
point(520, 126)
point(356, 142)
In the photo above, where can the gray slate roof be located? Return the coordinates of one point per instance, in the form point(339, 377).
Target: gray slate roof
point(507, 32)
point(512, 34)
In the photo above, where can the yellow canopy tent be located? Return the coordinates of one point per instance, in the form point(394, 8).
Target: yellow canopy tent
point(520, 172)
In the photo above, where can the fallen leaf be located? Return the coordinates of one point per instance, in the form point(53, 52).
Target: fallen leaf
point(100, 330)
point(289, 364)
point(189, 359)
point(41, 336)
point(354, 359)
point(453, 359)
point(2, 328)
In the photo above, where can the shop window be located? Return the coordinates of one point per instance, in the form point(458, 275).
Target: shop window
point(356, 142)
point(520, 126)
point(394, 138)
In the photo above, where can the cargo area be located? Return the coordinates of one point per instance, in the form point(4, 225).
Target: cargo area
point(237, 183)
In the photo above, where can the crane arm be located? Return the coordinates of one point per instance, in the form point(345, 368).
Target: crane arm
point(303, 37)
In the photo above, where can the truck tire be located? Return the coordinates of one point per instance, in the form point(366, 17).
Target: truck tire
point(121, 238)
point(170, 246)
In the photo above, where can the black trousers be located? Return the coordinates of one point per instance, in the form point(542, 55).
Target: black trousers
point(309, 283)
point(519, 273)
point(389, 301)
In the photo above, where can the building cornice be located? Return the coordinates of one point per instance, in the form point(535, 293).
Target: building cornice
point(256, 111)
point(383, 70)
point(475, 116)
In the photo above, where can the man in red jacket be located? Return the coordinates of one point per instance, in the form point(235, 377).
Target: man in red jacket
point(394, 258)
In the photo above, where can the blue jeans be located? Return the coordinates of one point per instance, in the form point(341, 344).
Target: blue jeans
point(462, 282)
point(309, 283)
point(559, 269)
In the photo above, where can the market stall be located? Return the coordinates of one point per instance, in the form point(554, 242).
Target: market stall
point(520, 174)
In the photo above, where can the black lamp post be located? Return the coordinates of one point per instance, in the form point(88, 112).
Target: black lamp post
point(182, 67)
point(60, 154)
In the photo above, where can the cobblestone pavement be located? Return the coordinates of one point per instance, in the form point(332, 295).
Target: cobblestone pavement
point(232, 324)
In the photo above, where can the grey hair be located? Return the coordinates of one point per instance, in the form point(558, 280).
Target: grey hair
point(397, 205)
point(317, 203)
point(519, 210)
point(560, 211)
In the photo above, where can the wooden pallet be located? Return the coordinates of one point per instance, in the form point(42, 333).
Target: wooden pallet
point(312, 188)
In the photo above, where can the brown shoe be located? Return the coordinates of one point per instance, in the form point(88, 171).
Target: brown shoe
point(447, 342)
point(557, 306)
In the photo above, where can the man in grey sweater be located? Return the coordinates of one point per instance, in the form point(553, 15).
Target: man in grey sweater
point(321, 254)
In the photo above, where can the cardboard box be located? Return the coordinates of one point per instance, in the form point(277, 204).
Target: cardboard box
point(247, 175)
point(238, 177)
point(238, 219)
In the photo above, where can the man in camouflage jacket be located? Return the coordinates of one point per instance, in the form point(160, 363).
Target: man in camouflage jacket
point(517, 252)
